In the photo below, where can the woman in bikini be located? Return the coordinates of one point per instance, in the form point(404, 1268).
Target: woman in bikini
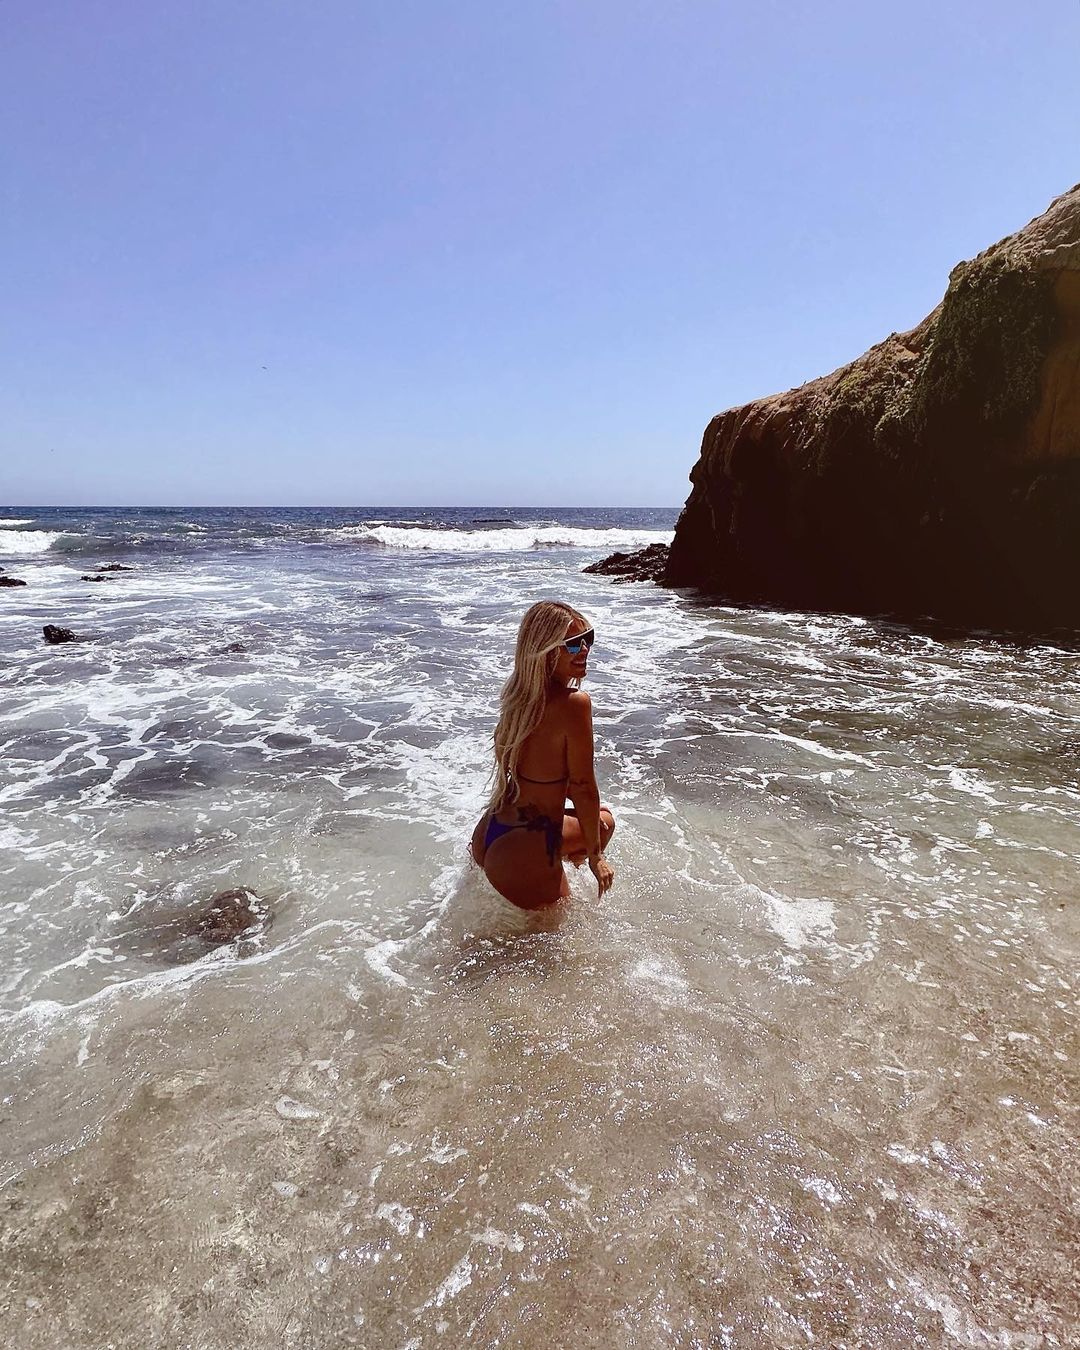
point(544, 754)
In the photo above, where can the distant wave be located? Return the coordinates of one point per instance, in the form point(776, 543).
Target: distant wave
point(119, 542)
point(517, 540)
point(81, 543)
point(22, 542)
point(121, 535)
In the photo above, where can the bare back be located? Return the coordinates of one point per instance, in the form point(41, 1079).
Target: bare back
point(542, 762)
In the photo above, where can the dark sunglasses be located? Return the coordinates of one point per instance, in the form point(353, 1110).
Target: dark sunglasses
point(574, 645)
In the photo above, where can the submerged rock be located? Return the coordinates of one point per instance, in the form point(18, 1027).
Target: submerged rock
point(11, 581)
point(54, 634)
point(227, 915)
point(115, 567)
point(646, 564)
point(97, 577)
point(168, 930)
point(936, 475)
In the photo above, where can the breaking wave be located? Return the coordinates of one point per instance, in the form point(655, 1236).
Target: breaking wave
point(516, 539)
point(21, 542)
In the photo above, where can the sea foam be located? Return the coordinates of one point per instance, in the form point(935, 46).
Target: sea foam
point(22, 542)
point(512, 540)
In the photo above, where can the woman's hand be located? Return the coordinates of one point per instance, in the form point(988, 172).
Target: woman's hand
point(602, 872)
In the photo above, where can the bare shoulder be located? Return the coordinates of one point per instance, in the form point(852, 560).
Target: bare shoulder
point(579, 739)
point(572, 710)
point(577, 711)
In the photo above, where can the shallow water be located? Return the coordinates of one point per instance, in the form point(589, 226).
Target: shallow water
point(806, 1076)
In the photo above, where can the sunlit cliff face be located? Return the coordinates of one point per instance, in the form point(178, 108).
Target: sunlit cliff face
point(569, 667)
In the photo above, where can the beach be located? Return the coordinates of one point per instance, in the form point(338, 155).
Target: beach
point(807, 1076)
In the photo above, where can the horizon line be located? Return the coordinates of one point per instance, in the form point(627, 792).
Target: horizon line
point(356, 506)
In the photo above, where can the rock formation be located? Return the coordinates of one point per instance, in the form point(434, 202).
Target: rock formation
point(227, 915)
point(54, 634)
point(11, 581)
point(647, 564)
point(936, 475)
point(176, 927)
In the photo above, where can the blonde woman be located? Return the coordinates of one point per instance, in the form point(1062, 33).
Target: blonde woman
point(544, 754)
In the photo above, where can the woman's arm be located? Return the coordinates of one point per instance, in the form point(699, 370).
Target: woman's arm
point(581, 786)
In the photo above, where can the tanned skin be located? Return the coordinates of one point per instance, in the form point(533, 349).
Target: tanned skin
point(525, 865)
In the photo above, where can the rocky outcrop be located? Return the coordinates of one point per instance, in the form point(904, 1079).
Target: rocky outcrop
point(937, 475)
point(228, 915)
point(54, 634)
point(647, 564)
point(11, 581)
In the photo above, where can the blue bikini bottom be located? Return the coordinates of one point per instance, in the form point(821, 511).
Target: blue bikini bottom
point(551, 830)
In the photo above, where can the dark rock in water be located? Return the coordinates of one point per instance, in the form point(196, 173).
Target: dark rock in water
point(97, 578)
point(228, 915)
point(163, 776)
point(647, 564)
point(115, 567)
point(11, 581)
point(237, 647)
point(285, 740)
point(53, 634)
point(937, 475)
point(170, 933)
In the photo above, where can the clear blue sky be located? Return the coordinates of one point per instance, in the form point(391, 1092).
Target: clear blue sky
point(444, 251)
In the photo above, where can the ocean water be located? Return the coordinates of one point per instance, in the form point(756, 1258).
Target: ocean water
point(807, 1076)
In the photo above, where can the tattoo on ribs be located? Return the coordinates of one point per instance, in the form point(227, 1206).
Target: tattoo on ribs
point(533, 820)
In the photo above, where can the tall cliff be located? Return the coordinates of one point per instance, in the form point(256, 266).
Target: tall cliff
point(936, 475)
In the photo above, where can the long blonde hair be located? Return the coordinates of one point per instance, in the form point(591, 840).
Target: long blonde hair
point(524, 695)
